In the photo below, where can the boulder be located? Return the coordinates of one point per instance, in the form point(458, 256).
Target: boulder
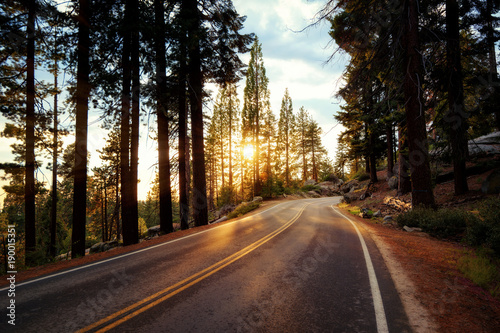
point(393, 183)
point(408, 229)
point(154, 231)
point(378, 213)
point(310, 182)
point(388, 218)
point(222, 219)
point(364, 213)
point(226, 209)
point(492, 183)
point(350, 186)
point(485, 145)
point(313, 194)
point(257, 199)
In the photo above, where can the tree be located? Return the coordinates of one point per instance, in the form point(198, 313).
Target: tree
point(29, 192)
point(194, 30)
point(456, 116)
point(286, 128)
point(417, 135)
point(162, 113)
point(81, 130)
point(256, 97)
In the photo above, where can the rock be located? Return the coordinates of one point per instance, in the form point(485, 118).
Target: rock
point(326, 191)
point(226, 209)
point(393, 183)
point(365, 195)
point(388, 218)
point(378, 213)
point(364, 213)
point(350, 197)
point(222, 219)
point(96, 247)
point(492, 184)
point(310, 182)
point(485, 145)
point(313, 194)
point(408, 229)
point(257, 199)
point(154, 231)
point(350, 186)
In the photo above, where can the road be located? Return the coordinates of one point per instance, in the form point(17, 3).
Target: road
point(299, 266)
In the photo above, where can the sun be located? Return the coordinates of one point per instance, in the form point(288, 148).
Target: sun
point(248, 152)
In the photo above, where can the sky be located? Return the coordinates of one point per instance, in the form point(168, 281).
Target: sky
point(293, 60)
point(296, 60)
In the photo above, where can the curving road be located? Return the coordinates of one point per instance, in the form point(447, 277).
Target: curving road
point(300, 266)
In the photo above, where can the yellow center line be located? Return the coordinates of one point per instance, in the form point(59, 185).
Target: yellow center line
point(184, 284)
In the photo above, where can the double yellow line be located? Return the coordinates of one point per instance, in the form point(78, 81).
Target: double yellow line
point(161, 296)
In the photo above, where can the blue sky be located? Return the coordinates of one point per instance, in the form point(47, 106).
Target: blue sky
point(293, 60)
point(296, 60)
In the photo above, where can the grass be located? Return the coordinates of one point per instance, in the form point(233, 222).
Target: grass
point(243, 208)
point(480, 269)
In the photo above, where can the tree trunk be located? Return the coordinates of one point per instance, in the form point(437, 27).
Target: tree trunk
point(390, 154)
point(126, 186)
point(456, 116)
point(166, 220)
point(82, 98)
point(29, 188)
point(404, 182)
point(53, 211)
point(134, 144)
point(415, 116)
point(200, 212)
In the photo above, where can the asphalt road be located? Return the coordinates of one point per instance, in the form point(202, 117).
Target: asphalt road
point(299, 266)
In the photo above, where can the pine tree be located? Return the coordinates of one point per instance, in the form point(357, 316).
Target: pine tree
point(81, 130)
point(286, 128)
point(256, 97)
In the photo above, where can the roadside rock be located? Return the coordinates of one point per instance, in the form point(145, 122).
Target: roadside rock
point(154, 231)
point(350, 186)
point(103, 246)
point(378, 213)
point(408, 229)
point(310, 182)
point(393, 183)
point(257, 199)
point(313, 194)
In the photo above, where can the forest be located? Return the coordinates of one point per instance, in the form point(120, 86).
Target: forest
point(422, 78)
point(144, 75)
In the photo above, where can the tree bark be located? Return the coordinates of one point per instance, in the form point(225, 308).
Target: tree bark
point(200, 207)
point(166, 220)
point(82, 98)
point(415, 116)
point(390, 154)
point(29, 188)
point(404, 182)
point(126, 187)
point(134, 144)
point(456, 117)
point(53, 210)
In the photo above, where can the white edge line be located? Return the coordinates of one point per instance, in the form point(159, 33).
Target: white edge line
point(378, 305)
point(135, 252)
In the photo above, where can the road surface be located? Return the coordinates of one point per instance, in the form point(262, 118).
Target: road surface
point(300, 266)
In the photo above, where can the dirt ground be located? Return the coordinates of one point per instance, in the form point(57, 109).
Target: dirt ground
point(435, 294)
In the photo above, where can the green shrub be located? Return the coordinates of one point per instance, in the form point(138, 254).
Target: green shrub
point(307, 188)
point(416, 217)
point(486, 230)
point(444, 223)
point(243, 208)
